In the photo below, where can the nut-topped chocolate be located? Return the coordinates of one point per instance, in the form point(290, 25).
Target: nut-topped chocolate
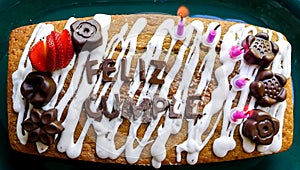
point(259, 50)
point(86, 35)
point(260, 127)
point(38, 88)
point(268, 88)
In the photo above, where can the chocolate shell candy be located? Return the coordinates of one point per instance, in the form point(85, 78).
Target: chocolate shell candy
point(260, 127)
point(38, 88)
point(268, 88)
point(259, 50)
point(86, 35)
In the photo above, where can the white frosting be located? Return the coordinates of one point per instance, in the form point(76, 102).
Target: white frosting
point(199, 133)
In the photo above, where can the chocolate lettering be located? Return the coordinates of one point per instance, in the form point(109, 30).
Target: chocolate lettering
point(159, 105)
point(130, 110)
point(146, 107)
point(115, 112)
point(189, 107)
point(142, 70)
point(87, 104)
point(89, 71)
point(159, 65)
point(123, 71)
point(108, 68)
point(172, 113)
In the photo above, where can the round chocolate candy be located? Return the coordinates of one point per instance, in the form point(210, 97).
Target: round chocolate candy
point(38, 88)
point(86, 35)
point(260, 127)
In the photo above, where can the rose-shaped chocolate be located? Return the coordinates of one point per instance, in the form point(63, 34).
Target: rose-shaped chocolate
point(268, 88)
point(38, 88)
point(42, 126)
point(86, 35)
point(259, 50)
point(260, 127)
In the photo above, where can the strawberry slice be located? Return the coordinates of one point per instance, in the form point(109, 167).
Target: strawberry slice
point(56, 53)
point(51, 52)
point(37, 56)
point(66, 40)
point(60, 51)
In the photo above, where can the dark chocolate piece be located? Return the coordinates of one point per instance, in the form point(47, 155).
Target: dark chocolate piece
point(38, 88)
point(189, 107)
point(123, 71)
point(108, 68)
point(172, 114)
point(128, 109)
point(86, 35)
point(159, 65)
point(115, 112)
point(159, 104)
point(260, 127)
point(142, 70)
point(42, 126)
point(87, 108)
point(259, 50)
point(268, 88)
point(89, 71)
point(146, 108)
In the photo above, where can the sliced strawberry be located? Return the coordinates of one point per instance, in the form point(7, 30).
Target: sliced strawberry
point(51, 52)
point(60, 51)
point(68, 47)
point(55, 54)
point(37, 56)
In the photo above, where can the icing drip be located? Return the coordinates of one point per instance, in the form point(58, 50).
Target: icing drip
point(155, 46)
point(194, 143)
point(66, 142)
point(172, 126)
point(81, 93)
point(226, 142)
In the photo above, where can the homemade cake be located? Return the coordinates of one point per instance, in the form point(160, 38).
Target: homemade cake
point(149, 89)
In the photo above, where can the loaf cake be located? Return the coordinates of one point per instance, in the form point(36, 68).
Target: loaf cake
point(149, 89)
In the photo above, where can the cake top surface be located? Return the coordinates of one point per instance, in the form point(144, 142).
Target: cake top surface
point(253, 48)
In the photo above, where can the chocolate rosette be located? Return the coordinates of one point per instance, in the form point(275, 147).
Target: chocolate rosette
point(86, 35)
point(259, 50)
point(42, 126)
point(260, 127)
point(268, 88)
point(38, 88)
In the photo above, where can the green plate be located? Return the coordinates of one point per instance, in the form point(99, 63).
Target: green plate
point(281, 16)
